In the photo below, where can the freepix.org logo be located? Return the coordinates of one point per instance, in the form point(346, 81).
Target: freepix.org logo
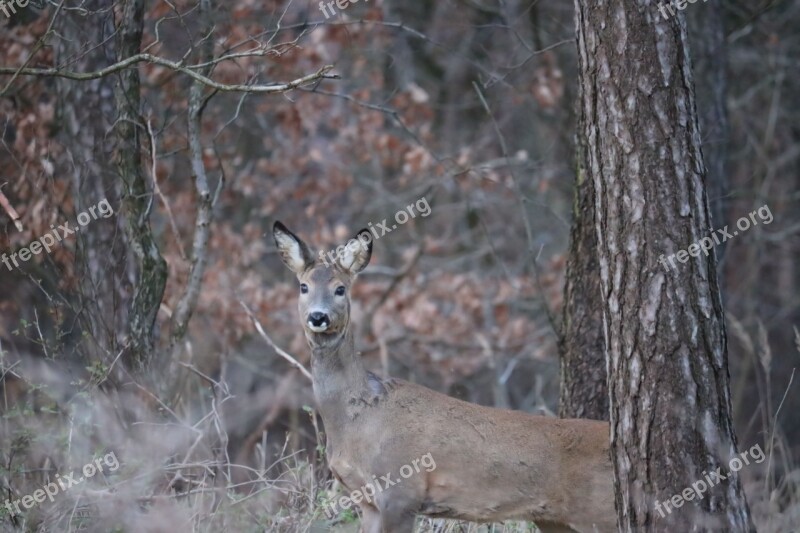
point(372, 488)
point(62, 483)
point(363, 240)
point(49, 239)
point(6, 5)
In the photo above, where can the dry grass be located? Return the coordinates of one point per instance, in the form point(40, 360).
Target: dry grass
point(176, 475)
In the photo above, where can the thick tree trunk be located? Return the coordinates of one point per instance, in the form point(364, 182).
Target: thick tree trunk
point(86, 112)
point(112, 170)
point(664, 325)
point(584, 388)
point(584, 392)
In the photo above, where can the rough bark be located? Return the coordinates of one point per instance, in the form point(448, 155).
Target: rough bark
point(86, 113)
point(584, 393)
point(664, 326)
point(151, 267)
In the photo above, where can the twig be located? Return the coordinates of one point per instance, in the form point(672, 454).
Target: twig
point(36, 47)
point(523, 200)
point(114, 362)
point(774, 424)
point(11, 211)
point(393, 113)
point(41, 336)
point(194, 370)
point(160, 194)
point(395, 281)
point(157, 399)
point(269, 341)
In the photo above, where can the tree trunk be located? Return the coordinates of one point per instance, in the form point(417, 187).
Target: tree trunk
point(113, 171)
point(152, 268)
point(584, 392)
point(86, 113)
point(664, 325)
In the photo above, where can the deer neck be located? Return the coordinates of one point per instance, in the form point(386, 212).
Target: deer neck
point(340, 380)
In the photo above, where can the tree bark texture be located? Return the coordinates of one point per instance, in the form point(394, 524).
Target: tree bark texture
point(151, 267)
point(205, 199)
point(664, 326)
point(86, 112)
point(584, 392)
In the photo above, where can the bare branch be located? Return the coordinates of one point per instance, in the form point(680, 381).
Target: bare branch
point(202, 228)
point(322, 73)
point(294, 362)
point(160, 194)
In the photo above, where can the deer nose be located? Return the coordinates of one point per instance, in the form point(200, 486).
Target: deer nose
point(318, 321)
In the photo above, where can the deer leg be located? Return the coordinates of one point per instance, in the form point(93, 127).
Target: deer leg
point(397, 512)
point(370, 519)
point(399, 522)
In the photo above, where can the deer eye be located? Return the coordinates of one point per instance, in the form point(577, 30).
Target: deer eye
point(303, 288)
point(340, 290)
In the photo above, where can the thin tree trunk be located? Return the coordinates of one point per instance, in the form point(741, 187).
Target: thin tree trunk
point(205, 205)
point(664, 326)
point(152, 269)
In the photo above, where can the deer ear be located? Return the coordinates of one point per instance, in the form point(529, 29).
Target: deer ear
point(294, 252)
point(357, 252)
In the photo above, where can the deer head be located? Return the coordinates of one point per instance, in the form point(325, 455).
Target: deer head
point(324, 301)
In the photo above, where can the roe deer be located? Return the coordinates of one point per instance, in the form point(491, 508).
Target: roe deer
point(490, 464)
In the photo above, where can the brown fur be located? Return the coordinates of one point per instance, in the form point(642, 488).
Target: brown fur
point(490, 464)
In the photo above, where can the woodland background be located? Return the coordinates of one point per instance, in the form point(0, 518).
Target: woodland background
point(470, 104)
